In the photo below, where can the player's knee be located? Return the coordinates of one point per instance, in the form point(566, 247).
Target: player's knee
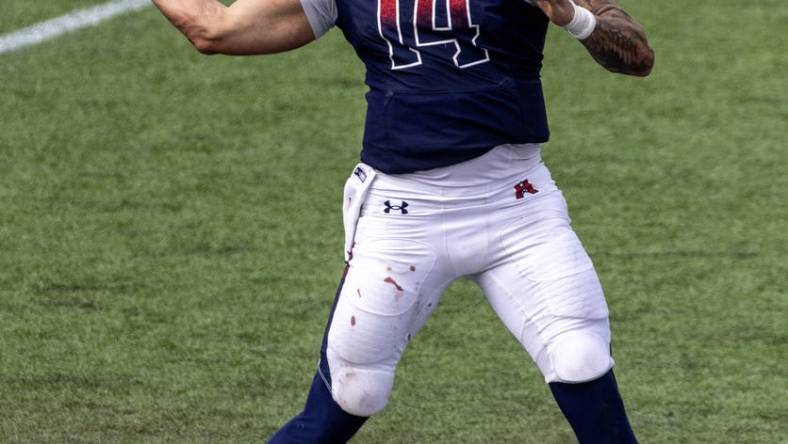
point(580, 357)
point(361, 392)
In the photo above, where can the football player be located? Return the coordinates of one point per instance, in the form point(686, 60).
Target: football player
point(450, 184)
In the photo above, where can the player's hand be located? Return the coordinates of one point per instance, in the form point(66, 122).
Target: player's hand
point(559, 12)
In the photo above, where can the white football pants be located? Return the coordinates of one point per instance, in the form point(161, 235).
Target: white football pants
point(498, 219)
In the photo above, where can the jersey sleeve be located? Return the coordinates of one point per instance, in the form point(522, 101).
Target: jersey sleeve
point(321, 15)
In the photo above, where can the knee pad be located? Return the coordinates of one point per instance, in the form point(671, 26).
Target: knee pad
point(361, 392)
point(579, 357)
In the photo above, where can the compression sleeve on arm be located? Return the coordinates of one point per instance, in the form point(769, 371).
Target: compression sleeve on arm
point(321, 15)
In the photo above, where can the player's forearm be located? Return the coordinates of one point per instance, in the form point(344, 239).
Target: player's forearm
point(244, 28)
point(618, 43)
point(203, 22)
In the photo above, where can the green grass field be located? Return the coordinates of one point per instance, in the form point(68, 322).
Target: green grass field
point(170, 237)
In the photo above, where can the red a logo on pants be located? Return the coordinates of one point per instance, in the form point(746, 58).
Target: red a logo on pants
point(524, 187)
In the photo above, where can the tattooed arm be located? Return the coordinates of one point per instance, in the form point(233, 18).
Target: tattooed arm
point(618, 43)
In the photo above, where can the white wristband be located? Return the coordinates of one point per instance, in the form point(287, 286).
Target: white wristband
point(582, 24)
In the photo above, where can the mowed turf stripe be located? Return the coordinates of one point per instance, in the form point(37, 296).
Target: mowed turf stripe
point(40, 32)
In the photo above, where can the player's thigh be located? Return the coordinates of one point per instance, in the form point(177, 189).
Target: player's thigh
point(547, 293)
point(380, 300)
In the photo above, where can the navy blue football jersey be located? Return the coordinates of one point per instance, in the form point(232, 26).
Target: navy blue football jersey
point(448, 79)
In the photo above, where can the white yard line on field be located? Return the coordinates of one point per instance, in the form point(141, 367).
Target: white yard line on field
point(40, 32)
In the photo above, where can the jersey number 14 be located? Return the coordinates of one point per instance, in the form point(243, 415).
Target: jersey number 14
point(435, 22)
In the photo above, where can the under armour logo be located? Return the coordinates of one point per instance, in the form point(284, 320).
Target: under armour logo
point(361, 174)
point(524, 187)
point(401, 207)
